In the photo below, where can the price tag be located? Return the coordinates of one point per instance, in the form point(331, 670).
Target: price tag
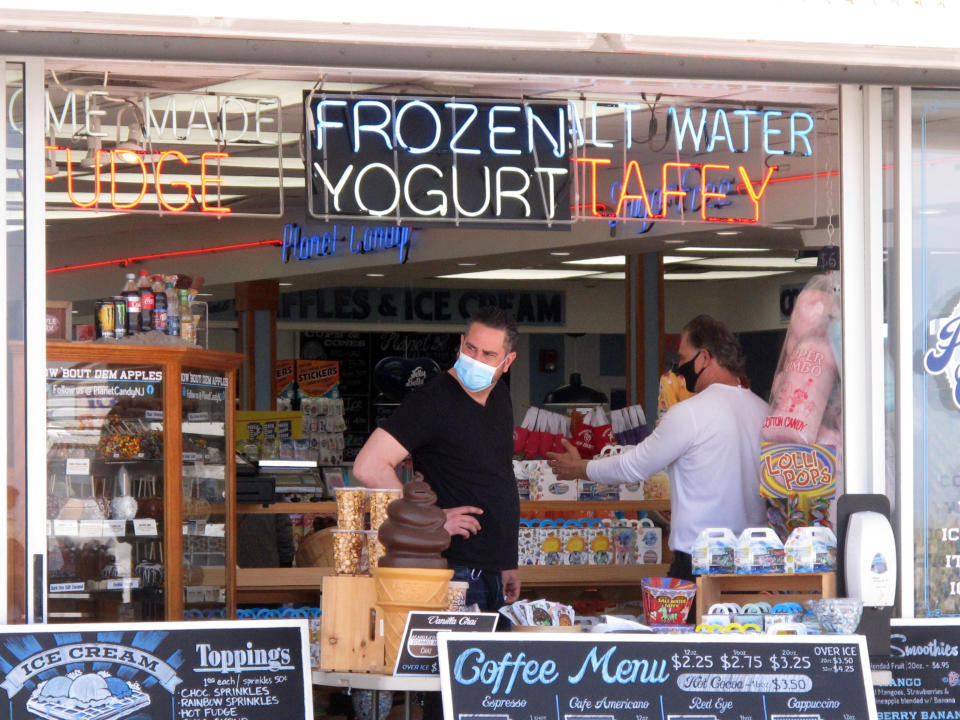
point(91, 528)
point(215, 530)
point(69, 528)
point(123, 584)
point(78, 466)
point(191, 457)
point(68, 587)
point(114, 527)
point(144, 526)
point(153, 415)
point(198, 417)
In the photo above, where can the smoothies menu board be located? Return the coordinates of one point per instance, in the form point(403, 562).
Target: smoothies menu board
point(654, 677)
point(251, 670)
point(925, 664)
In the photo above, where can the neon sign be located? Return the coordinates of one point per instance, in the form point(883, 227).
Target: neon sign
point(460, 160)
point(114, 150)
point(443, 160)
point(353, 239)
point(152, 175)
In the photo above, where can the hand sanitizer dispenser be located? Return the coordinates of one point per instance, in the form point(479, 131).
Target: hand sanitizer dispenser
point(871, 559)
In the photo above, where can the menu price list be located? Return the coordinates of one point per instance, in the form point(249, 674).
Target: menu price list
point(924, 664)
point(234, 671)
point(654, 678)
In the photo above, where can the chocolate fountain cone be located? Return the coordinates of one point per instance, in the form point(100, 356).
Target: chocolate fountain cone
point(400, 590)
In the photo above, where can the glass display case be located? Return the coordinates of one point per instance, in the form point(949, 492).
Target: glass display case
point(140, 500)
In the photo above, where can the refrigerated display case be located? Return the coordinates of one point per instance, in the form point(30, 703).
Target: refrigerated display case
point(141, 502)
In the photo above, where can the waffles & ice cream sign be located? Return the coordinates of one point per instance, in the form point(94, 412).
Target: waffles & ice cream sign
point(944, 357)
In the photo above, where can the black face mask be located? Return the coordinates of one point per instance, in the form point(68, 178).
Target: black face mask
point(689, 375)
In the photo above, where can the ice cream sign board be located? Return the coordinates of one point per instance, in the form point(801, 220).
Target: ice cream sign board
point(182, 671)
point(944, 357)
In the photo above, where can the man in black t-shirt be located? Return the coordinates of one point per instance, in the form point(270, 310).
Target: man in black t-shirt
point(459, 430)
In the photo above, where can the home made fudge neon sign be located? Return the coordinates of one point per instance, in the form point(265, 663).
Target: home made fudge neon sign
point(492, 160)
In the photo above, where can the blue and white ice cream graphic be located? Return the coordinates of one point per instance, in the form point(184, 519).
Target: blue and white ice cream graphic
point(86, 696)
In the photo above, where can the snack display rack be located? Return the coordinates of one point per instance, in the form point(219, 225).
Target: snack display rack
point(140, 500)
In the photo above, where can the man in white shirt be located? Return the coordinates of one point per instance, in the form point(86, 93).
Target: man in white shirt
point(709, 442)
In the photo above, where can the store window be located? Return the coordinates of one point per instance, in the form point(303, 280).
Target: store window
point(936, 359)
point(14, 261)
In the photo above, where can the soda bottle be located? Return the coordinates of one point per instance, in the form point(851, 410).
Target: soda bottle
point(132, 296)
point(159, 303)
point(147, 301)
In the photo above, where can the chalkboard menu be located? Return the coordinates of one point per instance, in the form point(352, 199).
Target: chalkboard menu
point(925, 664)
point(250, 670)
point(654, 677)
point(358, 354)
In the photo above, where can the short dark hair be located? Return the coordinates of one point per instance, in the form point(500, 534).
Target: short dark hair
point(707, 333)
point(497, 318)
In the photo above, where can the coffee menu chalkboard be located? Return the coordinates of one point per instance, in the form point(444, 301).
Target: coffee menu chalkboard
point(249, 670)
point(533, 676)
point(925, 664)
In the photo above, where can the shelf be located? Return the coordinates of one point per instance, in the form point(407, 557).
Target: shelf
point(280, 579)
point(330, 507)
point(557, 575)
point(578, 505)
point(323, 507)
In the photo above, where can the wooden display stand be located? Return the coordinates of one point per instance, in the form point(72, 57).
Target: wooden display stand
point(350, 640)
point(773, 588)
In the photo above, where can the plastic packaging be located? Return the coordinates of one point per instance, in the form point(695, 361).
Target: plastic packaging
point(811, 549)
point(759, 550)
point(713, 551)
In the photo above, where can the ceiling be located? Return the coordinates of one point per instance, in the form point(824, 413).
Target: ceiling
point(98, 236)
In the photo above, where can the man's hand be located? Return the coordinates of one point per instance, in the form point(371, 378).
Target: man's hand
point(461, 520)
point(511, 585)
point(568, 465)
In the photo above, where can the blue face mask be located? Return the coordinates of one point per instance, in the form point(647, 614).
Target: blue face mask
point(474, 374)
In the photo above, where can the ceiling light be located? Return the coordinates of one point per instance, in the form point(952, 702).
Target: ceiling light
point(285, 284)
point(723, 275)
point(466, 264)
point(375, 275)
point(751, 262)
point(204, 294)
point(610, 260)
point(674, 259)
point(518, 274)
point(560, 253)
point(722, 249)
point(94, 144)
point(782, 227)
point(806, 261)
point(609, 276)
point(134, 141)
point(674, 242)
point(727, 232)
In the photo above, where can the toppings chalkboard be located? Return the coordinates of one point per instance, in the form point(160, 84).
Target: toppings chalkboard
point(250, 670)
point(925, 664)
point(654, 677)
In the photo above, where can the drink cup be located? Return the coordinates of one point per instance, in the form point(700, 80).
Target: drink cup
point(457, 595)
point(350, 507)
point(378, 500)
point(347, 552)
